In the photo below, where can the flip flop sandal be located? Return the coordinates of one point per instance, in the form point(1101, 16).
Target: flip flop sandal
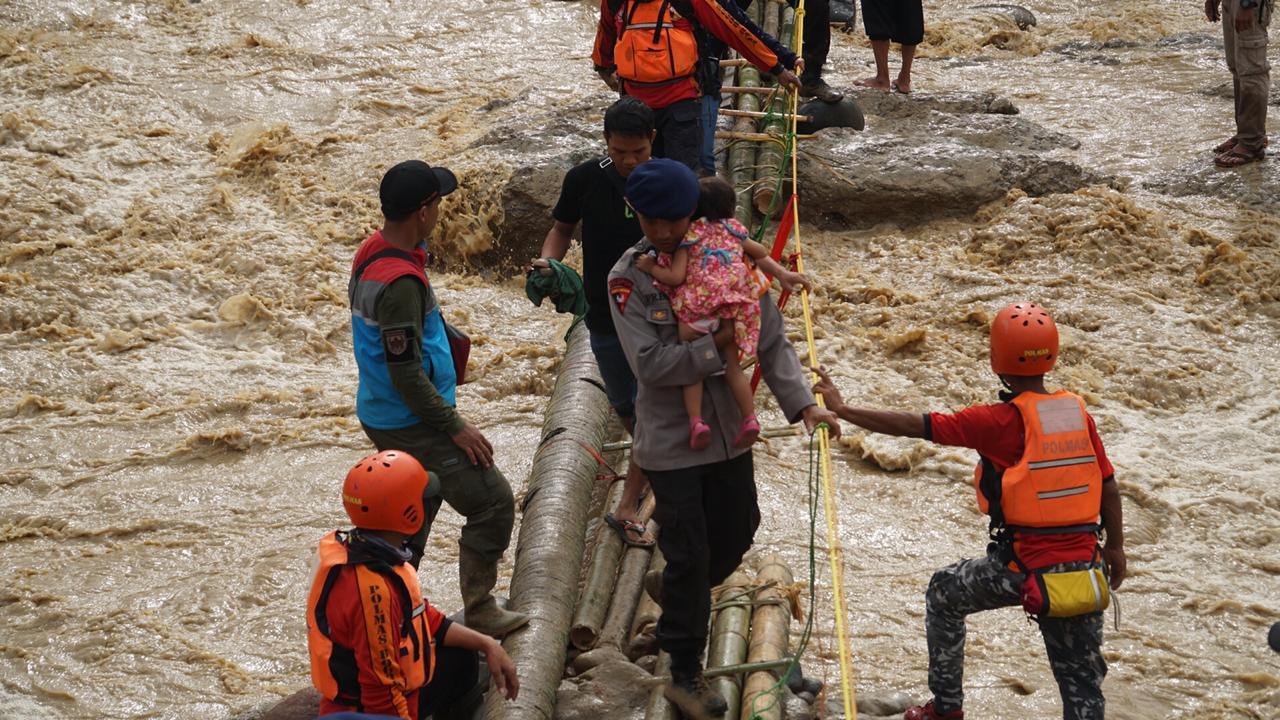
point(1230, 143)
point(1238, 157)
point(625, 528)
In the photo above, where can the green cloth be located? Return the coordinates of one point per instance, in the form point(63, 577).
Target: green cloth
point(563, 285)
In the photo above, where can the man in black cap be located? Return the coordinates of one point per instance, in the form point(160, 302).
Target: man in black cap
point(406, 399)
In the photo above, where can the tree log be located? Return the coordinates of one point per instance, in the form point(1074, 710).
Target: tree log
point(552, 533)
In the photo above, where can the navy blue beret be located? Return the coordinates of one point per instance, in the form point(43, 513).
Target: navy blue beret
point(663, 189)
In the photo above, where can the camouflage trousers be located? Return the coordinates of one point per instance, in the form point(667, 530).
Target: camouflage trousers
point(1074, 645)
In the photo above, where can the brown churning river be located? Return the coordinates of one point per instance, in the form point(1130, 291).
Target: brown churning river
point(183, 187)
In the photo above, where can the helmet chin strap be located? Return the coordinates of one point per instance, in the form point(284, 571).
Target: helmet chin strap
point(1007, 394)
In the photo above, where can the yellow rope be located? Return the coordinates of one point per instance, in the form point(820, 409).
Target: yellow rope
point(834, 549)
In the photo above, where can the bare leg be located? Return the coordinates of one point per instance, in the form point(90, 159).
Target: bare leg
point(879, 49)
point(633, 487)
point(903, 85)
point(692, 400)
point(738, 382)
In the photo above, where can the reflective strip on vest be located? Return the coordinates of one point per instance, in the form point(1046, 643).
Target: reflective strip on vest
point(1060, 463)
point(1063, 493)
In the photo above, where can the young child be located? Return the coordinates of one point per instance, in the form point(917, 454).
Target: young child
point(709, 281)
point(1045, 480)
point(376, 645)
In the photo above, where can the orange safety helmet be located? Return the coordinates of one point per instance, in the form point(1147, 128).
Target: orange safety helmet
point(384, 492)
point(1024, 340)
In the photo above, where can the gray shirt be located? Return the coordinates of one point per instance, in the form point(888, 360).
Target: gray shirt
point(662, 364)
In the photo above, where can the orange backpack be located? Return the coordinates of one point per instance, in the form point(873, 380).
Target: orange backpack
point(652, 49)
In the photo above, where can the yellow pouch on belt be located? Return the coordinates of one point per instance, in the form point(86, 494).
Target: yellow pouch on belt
point(1065, 594)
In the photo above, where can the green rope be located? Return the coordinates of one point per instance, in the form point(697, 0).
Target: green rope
point(775, 691)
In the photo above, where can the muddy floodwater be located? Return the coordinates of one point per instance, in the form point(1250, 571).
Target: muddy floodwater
point(183, 186)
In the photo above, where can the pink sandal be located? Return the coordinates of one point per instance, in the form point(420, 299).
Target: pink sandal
point(748, 433)
point(699, 434)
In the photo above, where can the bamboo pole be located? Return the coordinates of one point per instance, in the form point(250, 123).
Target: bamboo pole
point(630, 584)
point(756, 137)
point(733, 62)
point(552, 533)
point(746, 667)
point(745, 89)
point(742, 156)
point(729, 632)
point(769, 160)
point(644, 626)
point(659, 708)
point(748, 113)
point(769, 627)
point(594, 601)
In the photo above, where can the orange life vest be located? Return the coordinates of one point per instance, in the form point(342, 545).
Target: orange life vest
point(1057, 484)
point(652, 47)
point(405, 668)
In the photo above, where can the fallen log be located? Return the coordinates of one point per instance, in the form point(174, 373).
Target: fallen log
point(552, 532)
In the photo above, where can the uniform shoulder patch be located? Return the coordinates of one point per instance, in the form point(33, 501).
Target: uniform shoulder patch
point(397, 343)
point(620, 292)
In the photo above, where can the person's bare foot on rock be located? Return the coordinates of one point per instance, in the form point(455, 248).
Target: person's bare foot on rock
point(876, 82)
point(902, 85)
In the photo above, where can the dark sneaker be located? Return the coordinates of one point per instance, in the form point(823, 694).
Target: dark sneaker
point(927, 712)
point(694, 697)
point(821, 90)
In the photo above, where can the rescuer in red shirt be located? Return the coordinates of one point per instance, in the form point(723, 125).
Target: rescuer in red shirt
point(376, 645)
point(1044, 478)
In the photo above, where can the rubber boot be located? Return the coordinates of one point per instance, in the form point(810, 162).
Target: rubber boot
point(694, 696)
point(477, 576)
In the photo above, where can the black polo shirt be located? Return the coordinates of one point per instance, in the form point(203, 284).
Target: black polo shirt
point(592, 195)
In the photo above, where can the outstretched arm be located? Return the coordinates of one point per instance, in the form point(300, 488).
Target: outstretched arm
point(885, 422)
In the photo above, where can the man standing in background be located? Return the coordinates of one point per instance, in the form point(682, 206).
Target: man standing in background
point(1244, 35)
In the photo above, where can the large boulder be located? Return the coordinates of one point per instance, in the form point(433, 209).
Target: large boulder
point(545, 148)
point(926, 157)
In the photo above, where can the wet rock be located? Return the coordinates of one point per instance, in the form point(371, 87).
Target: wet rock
point(546, 148)
point(1022, 16)
point(871, 705)
point(613, 689)
point(302, 705)
point(796, 707)
point(930, 158)
point(1256, 185)
point(597, 657)
point(891, 104)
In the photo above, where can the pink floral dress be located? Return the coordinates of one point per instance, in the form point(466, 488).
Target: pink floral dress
point(719, 282)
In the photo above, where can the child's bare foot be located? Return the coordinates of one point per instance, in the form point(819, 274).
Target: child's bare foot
point(875, 81)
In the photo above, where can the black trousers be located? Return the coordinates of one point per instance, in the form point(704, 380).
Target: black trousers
point(457, 673)
point(679, 127)
point(709, 516)
point(817, 37)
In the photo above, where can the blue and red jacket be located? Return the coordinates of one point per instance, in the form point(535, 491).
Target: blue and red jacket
point(377, 264)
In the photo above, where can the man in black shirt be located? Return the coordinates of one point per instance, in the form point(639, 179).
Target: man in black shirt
point(592, 194)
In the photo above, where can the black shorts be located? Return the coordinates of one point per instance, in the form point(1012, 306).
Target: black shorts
point(679, 127)
point(901, 21)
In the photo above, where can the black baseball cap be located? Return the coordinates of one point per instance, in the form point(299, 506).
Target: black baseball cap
point(408, 185)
